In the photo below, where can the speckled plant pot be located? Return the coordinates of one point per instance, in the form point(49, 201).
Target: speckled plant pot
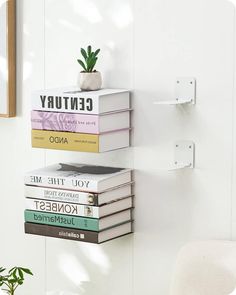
point(90, 81)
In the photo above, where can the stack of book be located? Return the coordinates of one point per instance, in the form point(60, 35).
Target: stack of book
point(91, 121)
point(79, 202)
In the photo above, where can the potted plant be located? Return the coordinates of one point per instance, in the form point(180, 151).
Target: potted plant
point(90, 79)
point(13, 279)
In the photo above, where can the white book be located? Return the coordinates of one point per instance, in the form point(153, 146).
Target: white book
point(114, 232)
point(81, 177)
point(86, 198)
point(72, 100)
point(77, 209)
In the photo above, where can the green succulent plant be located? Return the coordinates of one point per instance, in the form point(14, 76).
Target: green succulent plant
point(13, 279)
point(90, 59)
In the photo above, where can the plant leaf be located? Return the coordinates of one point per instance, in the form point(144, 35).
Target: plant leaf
point(14, 275)
point(2, 269)
point(90, 63)
point(96, 52)
point(89, 50)
point(26, 270)
point(94, 63)
point(21, 273)
point(12, 269)
point(82, 64)
point(84, 53)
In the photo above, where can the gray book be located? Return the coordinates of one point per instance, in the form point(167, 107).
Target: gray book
point(78, 235)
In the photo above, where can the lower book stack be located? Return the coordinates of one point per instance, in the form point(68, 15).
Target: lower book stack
point(99, 212)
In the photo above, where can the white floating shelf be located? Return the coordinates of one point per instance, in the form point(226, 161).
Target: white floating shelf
point(173, 102)
point(185, 92)
point(184, 156)
point(179, 166)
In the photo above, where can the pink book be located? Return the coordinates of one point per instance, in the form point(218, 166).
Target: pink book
point(80, 123)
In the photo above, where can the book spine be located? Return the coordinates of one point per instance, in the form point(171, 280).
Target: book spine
point(62, 208)
point(65, 122)
point(62, 233)
point(61, 195)
point(62, 220)
point(82, 142)
point(64, 102)
point(70, 183)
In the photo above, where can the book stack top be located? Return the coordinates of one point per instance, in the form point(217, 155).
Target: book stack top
point(82, 177)
point(86, 121)
point(72, 100)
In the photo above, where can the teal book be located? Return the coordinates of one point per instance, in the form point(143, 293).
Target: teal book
point(83, 223)
point(62, 220)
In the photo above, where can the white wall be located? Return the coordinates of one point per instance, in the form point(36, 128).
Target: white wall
point(145, 46)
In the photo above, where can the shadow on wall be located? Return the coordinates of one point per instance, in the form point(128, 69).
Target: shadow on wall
point(92, 261)
point(89, 269)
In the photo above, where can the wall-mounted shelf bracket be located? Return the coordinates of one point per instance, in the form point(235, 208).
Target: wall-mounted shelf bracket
point(184, 155)
point(185, 92)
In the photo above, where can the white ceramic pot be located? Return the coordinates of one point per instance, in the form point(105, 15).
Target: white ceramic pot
point(90, 81)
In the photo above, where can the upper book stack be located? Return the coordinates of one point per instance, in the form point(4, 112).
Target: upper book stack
point(85, 121)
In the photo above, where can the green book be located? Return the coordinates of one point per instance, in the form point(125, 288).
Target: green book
point(62, 220)
point(83, 223)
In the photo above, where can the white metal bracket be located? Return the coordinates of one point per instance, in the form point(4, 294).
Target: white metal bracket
point(185, 92)
point(184, 155)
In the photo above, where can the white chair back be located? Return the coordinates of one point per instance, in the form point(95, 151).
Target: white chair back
point(206, 268)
